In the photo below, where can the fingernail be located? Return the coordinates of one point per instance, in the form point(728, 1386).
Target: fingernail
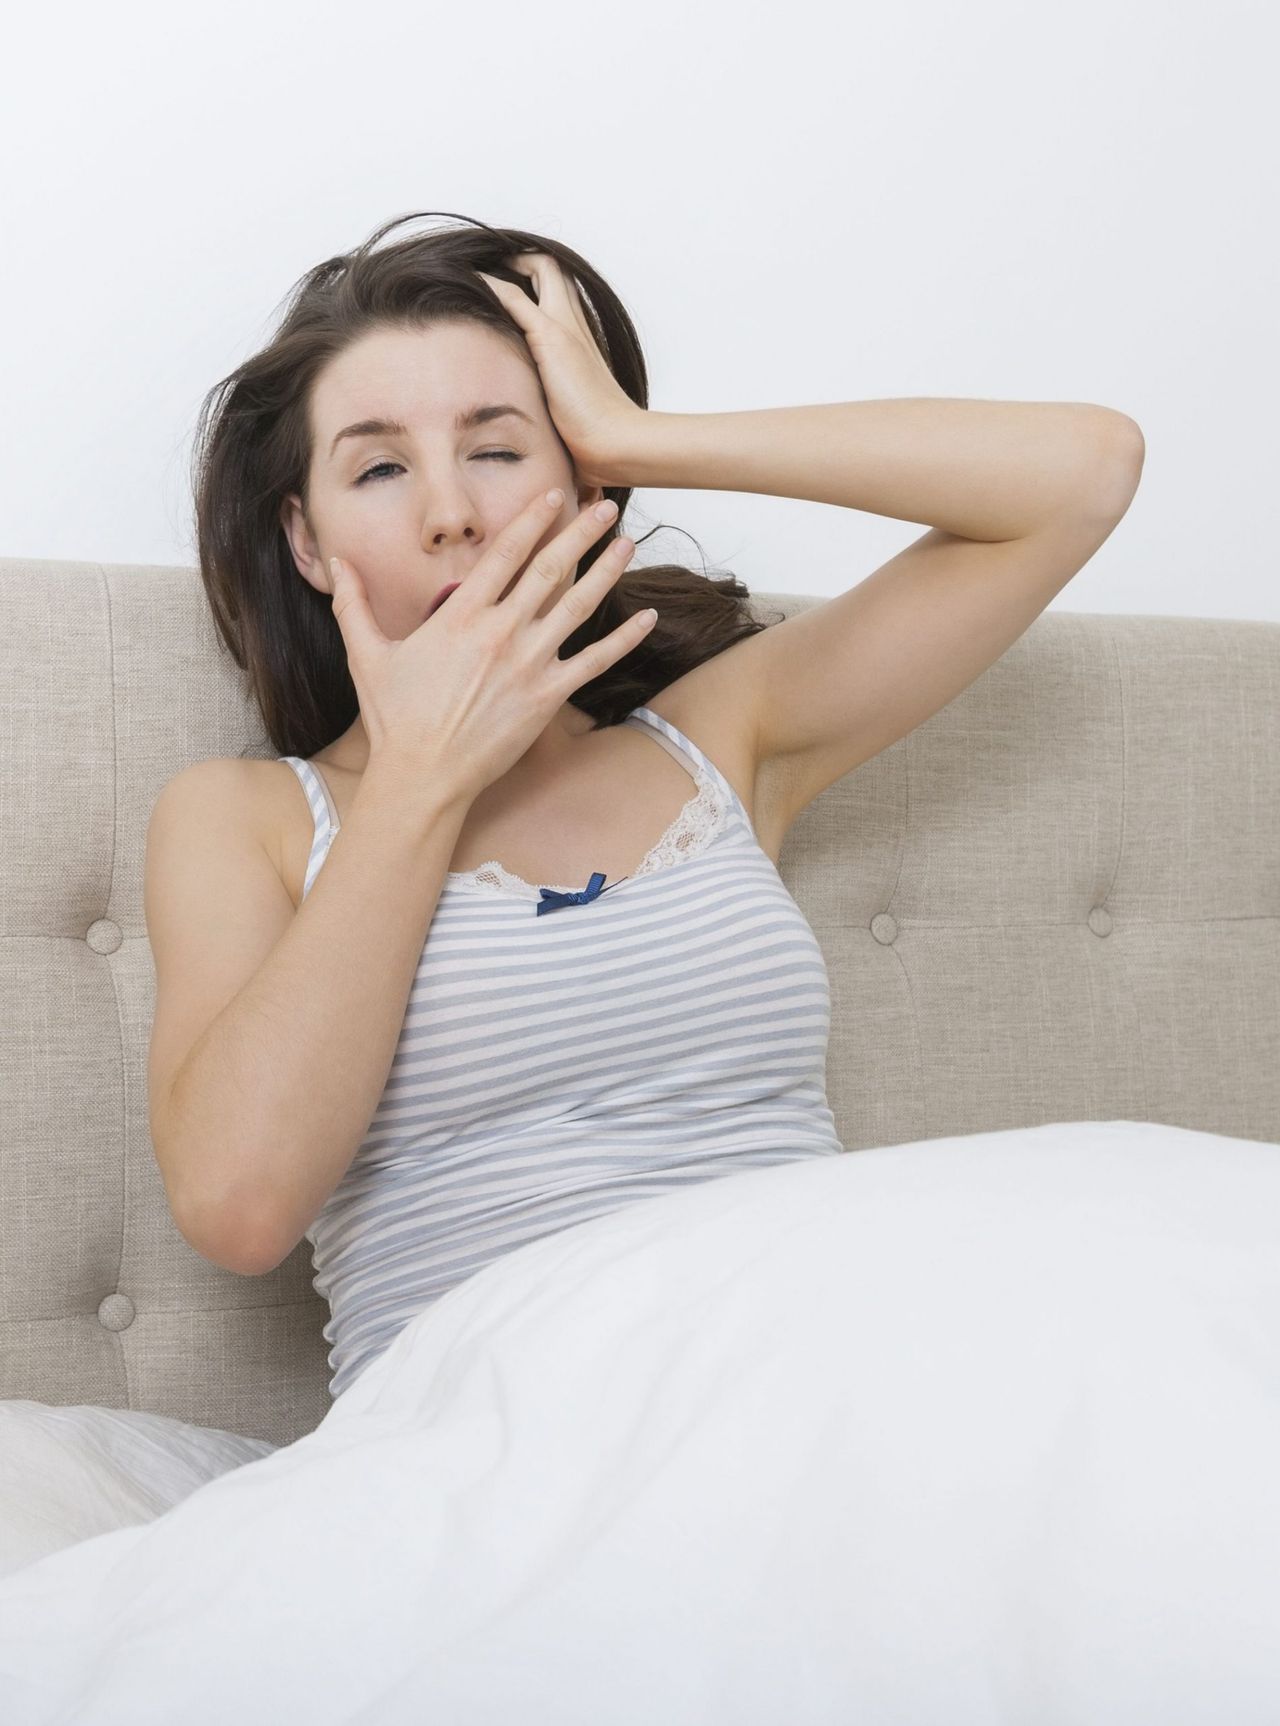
point(605, 510)
point(555, 498)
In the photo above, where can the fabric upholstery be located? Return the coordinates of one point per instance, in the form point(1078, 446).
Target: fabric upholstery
point(1059, 899)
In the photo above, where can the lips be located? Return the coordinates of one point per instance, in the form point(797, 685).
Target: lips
point(440, 598)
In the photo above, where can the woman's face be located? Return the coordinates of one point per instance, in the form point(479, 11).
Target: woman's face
point(417, 509)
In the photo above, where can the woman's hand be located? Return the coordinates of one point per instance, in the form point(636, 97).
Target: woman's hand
point(461, 699)
point(591, 411)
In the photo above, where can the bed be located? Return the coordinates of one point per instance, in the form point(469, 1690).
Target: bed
point(976, 1421)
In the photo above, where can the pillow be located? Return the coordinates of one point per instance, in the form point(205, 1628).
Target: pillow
point(68, 1473)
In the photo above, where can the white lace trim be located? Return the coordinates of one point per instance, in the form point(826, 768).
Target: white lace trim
point(691, 832)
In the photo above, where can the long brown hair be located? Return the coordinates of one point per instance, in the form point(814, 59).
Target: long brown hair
point(253, 448)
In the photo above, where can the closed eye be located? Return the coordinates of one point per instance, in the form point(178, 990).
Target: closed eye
point(485, 455)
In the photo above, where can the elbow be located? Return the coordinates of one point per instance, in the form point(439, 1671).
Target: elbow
point(1100, 464)
point(1131, 446)
point(228, 1240)
point(1119, 453)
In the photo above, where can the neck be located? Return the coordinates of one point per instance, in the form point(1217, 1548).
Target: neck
point(548, 752)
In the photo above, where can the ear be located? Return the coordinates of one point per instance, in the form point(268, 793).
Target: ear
point(305, 552)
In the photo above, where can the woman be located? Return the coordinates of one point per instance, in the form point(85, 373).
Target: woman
point(976, 1428)
point(380, 556)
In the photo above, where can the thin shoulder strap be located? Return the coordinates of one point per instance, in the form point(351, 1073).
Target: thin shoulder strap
point(317, 792)
point(688, 747)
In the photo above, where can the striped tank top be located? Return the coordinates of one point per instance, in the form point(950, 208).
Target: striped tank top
point(568, 1050)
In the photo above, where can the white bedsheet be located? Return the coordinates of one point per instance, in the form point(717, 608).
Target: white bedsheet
point(68, 1472)
point(982, 1429)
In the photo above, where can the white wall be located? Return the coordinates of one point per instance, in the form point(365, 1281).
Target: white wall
point(797, 203)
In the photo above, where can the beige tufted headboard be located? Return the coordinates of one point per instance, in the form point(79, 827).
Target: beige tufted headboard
point(1057, 900)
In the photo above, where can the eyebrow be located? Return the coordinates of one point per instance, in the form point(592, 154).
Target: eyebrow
point(463, 421)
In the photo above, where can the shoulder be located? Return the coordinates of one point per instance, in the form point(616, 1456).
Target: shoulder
point(717, 706)
point(216, 807)
point(277, 805)
point(230, 783)
point(237, 792)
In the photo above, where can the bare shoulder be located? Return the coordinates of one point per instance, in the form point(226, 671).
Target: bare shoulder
point(228, 790)
point(276, 804)
point(239, 795)
point(716, 705)
point(280, 806)
point(228, 781)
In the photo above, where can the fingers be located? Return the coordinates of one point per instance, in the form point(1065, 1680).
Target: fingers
point(351, 609)
point(578, 601)
point(558, 559)
point(511, 549)
point(548, 565)
point(596, 658)
point(556, 288)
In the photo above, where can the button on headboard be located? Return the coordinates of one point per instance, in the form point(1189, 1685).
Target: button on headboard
point(1059, 899)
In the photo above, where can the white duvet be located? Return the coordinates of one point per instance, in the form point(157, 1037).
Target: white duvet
point(974, 1430)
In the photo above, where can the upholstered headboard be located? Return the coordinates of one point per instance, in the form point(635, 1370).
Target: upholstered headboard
point(1057, 900)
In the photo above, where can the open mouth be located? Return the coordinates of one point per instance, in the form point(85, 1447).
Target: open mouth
point(440, 598)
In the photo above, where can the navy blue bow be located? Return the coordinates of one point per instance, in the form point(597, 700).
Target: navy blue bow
point(553, 901)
